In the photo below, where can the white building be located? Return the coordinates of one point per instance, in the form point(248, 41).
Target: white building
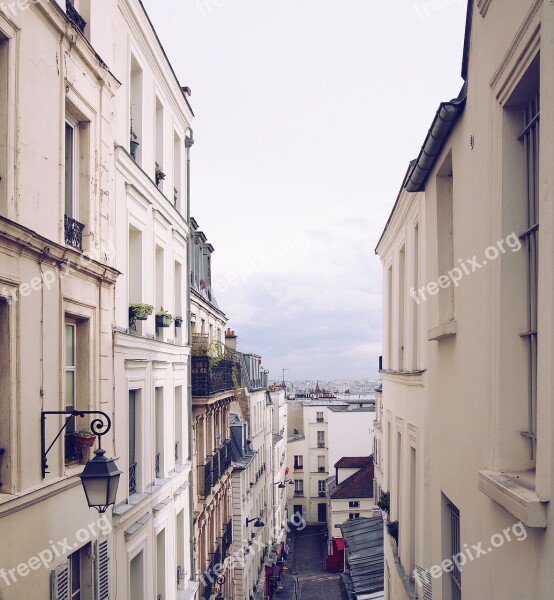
point(152, 520)
point(321, 429)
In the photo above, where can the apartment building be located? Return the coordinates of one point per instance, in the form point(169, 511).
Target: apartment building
point(152, 519)
point(400, 452)
point(474, 431)
point(252, 477)
point(57, 280)
point(310, 447)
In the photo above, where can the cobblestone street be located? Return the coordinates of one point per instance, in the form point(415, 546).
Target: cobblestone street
point(307, 578)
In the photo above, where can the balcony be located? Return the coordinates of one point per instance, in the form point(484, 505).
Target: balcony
point(320, 420)
point(227, 538)
point(215, 467)
point(298, 467)
point(157, 463)
point(321, 444)
point(205, 478)
point(207, 380)
point(226, 456)
point(73, 233)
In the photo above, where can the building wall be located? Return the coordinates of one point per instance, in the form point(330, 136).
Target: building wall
point(45, 283)
point(474, 392)
point(339, 511)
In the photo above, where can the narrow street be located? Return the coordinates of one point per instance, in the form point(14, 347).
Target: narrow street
point(307, 578)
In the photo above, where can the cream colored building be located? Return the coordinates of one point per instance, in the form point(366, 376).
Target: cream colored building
point(152, 519)
point(475, 431)
point(310, 446)
point(57, 279)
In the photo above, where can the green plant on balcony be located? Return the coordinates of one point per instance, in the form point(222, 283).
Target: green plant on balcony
point(163, 317)
point(160, 175)
point(384, 502)
point(139, 312)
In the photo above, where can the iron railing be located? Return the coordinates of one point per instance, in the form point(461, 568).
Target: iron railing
point(321, 444)
point(215, 467)
point(226, 455)
point(73, 233)
point(132, 478)
point(157, 463)
point(207, 380)
point(227, 538)
point(176, 451)
point(207, 469)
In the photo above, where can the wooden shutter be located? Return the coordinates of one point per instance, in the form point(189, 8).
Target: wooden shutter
point(60, 582)
point(101, 569)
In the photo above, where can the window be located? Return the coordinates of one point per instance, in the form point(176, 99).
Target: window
point(72, 453)
point(298, 462)
point(451, 547)
point(415, 305)
point(71, 170)
point(445, 237)
point(319, 417)
point(177, 171)
point(160, 564)
point(133, 441)
point(159, 454)
point(354, 504)
point(6, 434)
point(321, 439)
point(298, 487)
point(530, 138)
point(353, 516)
point(159, 147)
point(401, 305)
point(84, 575)
point(135, 111)
point(321, 487)
point(321, 463)
point(137, 577)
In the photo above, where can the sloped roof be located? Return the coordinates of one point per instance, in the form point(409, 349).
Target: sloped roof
point(359, 485)
point(353, 462)
point(363, 539)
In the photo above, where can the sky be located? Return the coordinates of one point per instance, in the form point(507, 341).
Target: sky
point(307, 113)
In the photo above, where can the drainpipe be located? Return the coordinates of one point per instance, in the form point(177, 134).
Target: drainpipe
point(189, 141)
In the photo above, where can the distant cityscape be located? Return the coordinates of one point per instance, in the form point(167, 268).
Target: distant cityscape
point(337, 386)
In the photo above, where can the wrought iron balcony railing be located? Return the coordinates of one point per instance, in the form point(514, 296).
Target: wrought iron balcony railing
point(132, 478)
point(226, 456)
point(73, 233)
point(176, 451)
point(208, 380)
point(207, 478)
point(157, 463)
point(215, 467)
point(227, 538)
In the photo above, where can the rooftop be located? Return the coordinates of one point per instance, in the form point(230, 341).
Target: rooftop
point(359, 485)
point(353, 462)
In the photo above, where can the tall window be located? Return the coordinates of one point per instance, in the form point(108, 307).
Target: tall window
point(298, 462)
point(298, 487)
point(321, 487)
point(6, 434)
point(321, 439)
point(451, 522)
point(401, 306)
point(530, 138)
point(71, 170)
point(319, 417)
point(133, 450)
point(445, 236)
point(72, 454)
point(321, 463)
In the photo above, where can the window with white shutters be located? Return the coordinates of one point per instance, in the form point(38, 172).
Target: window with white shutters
point(102, 560)
point(60, 582)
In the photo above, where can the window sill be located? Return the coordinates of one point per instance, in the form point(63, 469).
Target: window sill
point(442, 331)
point(515, 491)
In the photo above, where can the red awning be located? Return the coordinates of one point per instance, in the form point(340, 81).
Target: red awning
point(339, 543)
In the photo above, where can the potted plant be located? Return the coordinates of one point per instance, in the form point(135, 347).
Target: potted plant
point(84, 438)
point(160, 175)
point(178, 321)
point(163, 318)
point(384, 502)
point(139, 312)
point(392, 528)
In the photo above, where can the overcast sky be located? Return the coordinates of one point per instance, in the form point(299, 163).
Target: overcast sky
point(307, 114)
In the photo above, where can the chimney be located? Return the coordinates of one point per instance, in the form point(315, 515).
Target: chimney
point(230, 339)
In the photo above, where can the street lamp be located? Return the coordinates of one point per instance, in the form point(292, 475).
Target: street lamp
point(258, 522)
point(100, 477)
point(283, 484)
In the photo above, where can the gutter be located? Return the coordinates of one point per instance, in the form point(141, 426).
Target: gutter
point(446, 117)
